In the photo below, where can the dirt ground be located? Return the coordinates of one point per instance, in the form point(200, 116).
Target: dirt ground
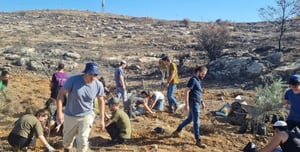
point(30, 90)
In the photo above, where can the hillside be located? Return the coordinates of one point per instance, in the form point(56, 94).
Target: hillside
point(33, 42)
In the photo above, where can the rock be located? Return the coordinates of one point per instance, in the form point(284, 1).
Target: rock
point(254, 69)
point(72, 55)
point(22, 61)
point(275, 58)
point(11, 56)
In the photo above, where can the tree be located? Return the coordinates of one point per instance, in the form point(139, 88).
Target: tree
point(280, 15)
point(213, 38)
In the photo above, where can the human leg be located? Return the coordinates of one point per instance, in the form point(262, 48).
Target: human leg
point(171, 99)
point(18, 142)
point(121, 94)
point(182, 125)
point(85, 126)
point(113, 131)
point(70, 130)
point(195, 112)
point(159, 105)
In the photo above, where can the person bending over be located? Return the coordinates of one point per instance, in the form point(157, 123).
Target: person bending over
point(26, 127)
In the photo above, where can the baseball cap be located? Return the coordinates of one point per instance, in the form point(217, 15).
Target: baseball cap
point(294, 79)
point(113, 100)
point(123, 62)
point(280, 123)
point(92, 67)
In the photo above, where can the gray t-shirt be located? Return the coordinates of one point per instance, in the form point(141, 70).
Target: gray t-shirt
point(80, 101)
point(119, 71)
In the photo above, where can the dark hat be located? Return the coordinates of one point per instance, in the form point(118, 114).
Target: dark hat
point(165, 58)
point(113, 100)
point(92, 67)
point(294, 79)
point(60, 66)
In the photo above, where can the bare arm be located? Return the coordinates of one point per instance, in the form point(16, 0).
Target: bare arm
point(147, 108)
point(153, 103)
point(59, 103)
point(284, 102)
point(186, 98)
point(276, 140)
point(43, 139)
point(101, 108)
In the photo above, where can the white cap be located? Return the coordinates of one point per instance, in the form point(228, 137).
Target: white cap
point(123, 62)
point(280, 124)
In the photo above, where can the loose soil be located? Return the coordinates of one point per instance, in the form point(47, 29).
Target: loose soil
point(31, 90)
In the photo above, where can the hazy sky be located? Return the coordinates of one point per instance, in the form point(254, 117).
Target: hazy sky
point(196, 10)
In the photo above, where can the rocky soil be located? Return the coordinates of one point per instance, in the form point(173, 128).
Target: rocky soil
point(33, 42)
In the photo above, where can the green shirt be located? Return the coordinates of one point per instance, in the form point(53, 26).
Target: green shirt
point(123, 123)
point(27, 126)
point(173, 68)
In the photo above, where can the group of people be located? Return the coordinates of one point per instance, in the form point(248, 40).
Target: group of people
point(75, 97)
point(286, 134)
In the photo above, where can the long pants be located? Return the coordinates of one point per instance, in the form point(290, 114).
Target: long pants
point(79, 128)
point(194, 114)
point(18, 142)
point(170, 95)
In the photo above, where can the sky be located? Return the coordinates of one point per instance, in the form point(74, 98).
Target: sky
point(195, 10)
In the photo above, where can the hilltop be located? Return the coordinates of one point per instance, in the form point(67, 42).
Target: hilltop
point(33, 42)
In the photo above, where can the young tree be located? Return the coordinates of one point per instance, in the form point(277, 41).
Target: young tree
point(279, 15)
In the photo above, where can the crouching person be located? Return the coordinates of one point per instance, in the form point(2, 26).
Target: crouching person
point(288, 141)
point(26, 127)
point(118, 126)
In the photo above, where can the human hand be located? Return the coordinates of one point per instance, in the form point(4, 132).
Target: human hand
point(60, 117)
point(50, 148)
point(57, 127)
point(166, 85)
point(187, 108)
point(102, 125)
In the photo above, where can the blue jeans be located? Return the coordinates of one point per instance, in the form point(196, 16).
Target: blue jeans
point(194, 114)
point(170, 95)
point(121, 93)
point(159, 105)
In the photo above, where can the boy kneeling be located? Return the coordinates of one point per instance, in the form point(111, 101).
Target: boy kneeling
point(118, 126)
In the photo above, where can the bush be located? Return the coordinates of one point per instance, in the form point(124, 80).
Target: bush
point(186, 22)
point(213, 39)
point(269, 95)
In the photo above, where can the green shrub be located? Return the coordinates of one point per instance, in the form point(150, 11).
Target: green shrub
point(270, 94)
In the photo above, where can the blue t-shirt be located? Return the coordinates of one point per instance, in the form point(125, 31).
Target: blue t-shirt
point(294, 100)
point(118, 73)
point(81, 96)
point(195, 85)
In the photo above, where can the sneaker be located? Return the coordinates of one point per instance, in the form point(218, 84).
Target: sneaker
point(176, 134)
point(201, 145)
point(175, 108)
point(66, 150)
